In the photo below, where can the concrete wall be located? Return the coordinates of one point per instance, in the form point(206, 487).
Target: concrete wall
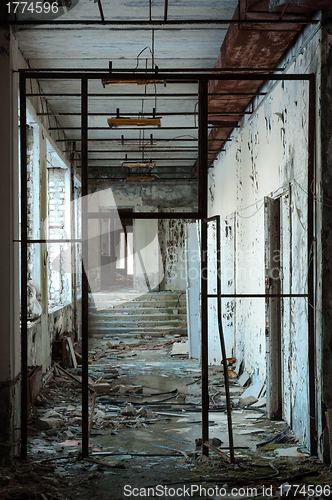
point(158, 247)
point(324, 265)
point(9, 251)
point(40, 333)
point(49, 196)
point(268, 157)
point(172, 243)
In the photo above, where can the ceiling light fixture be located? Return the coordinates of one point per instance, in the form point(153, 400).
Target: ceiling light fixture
point(133, 122)
point(131, 82)
point(137, 164)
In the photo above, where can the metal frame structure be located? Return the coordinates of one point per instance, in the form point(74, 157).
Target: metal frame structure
point(172, 76)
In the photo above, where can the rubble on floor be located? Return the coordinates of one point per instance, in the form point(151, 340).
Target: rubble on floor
point(146, 429)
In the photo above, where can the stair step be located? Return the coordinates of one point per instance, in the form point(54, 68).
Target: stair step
point(113, 332)
point(109, 315)
point(143, 322)
point(136, 315)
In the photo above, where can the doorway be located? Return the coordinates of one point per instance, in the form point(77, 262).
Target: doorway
point(273, 275)
point(116, 245)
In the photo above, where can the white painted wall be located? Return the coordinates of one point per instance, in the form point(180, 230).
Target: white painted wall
point(269, 152)
point(193, 260)
point(148, 271)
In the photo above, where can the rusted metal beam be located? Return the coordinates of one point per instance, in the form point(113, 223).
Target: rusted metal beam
point(142, 95)
point(160, 170)
point(311, 249)
point(155, 73)
point(146, 215)
point(155, 139)
point(257, 295)
point(170, 75)
point(150, 150)
point(142, 128)
point(216, 219)
point(134, 159)
point(101, 12)
point(192, 113)
point(202, 204)
point(24, 270)
point(166, 10)
point(223, 348)
point(159, 24)
point(85, 285)
point(93, 180)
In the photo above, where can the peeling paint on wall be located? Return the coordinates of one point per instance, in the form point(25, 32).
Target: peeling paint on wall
point(268, 157)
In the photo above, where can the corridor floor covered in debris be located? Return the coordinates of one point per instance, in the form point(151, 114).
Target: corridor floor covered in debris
point(145, 428)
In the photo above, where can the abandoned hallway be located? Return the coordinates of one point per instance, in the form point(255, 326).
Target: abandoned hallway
point(166, 248)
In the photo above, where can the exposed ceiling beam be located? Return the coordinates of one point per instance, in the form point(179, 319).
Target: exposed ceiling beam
point(160, 23)
point(101, 10)
point(166, 10)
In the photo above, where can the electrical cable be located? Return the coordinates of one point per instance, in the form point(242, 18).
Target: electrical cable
point(275, 439)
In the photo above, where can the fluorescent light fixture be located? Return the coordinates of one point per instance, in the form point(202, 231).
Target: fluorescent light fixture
point(136, 164)
point(140, 178)
point(133, 122)
point(130, 82)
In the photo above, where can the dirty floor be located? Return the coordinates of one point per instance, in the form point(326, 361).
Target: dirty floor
point(145, 434)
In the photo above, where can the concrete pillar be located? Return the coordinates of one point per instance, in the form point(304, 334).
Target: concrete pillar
point(9, 252)
point(46, 338)
point(326, 232)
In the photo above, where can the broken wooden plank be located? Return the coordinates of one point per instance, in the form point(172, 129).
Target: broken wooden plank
point(73, 377)
point(72, 352)
point(217, 451)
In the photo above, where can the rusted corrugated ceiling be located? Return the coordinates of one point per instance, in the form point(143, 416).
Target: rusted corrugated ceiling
point(252, 46)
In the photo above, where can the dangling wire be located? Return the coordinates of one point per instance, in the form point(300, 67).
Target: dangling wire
point(138, 55)
point(152, 45)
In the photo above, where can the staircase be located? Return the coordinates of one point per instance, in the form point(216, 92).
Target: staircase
point(124, 313)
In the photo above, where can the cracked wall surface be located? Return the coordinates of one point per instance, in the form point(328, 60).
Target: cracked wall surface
point(268, 157)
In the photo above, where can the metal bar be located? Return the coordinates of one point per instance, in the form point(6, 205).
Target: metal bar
point(310, 242)
point(112, 96)
point(172, 76)
point(154, 71)
point(146, 215)
point(116, 129)
point(119, 180)
point(157, 23)
point(155, 139)
point(85, 300)
point(101, 10)
point(68, 240)
point(185, 113)
point(24, 270)
point(257, 295)
point(94, 180)
point(184, 150)
point(118, 170)
point(153, 96)
point(134, 159)
point(165, 10)
point(223, 348)
point(202, 206)
point(154, 169)
point(227, 125)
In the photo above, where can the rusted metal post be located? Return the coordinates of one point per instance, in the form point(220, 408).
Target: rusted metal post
point(85, 299)
point(165, 10)
point(24, 268)
point(311, 252)
point(223, 348)
point(202, 208)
